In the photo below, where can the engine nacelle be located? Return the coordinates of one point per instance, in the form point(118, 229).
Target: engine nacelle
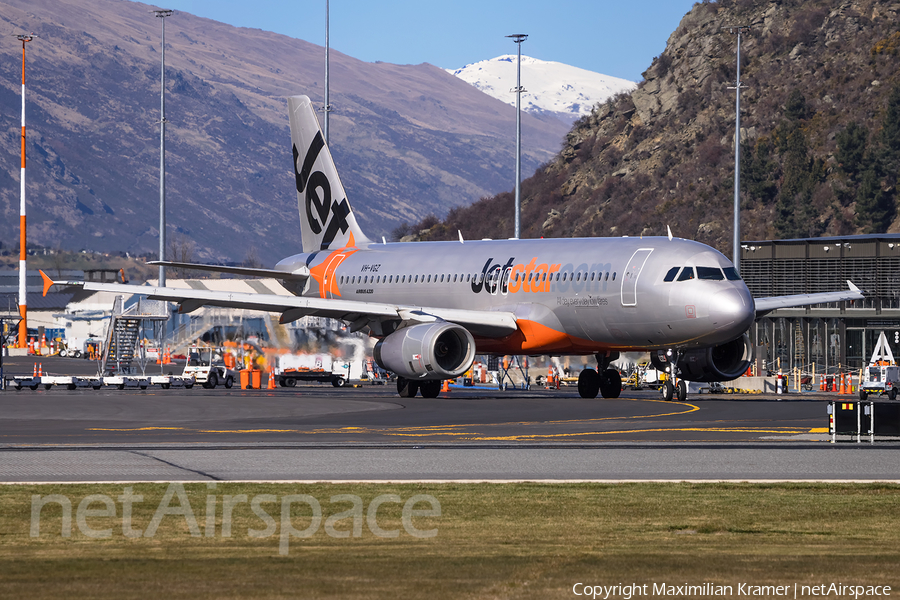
point(716, 363)
point(427, 351)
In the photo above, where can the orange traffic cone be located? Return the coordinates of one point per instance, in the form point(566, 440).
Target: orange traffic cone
point(271, 385)
point(446, 386)
point(34, 372)
point(843, 388)
point(40, 369)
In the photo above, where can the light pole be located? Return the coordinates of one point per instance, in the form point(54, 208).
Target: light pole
point(518, 38)
point(737, 151)
point(327, 107)
point(162, 14)
point(23, 293)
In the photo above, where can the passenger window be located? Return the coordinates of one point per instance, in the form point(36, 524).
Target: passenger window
point(670, 276)
point(731, 274)
point(614, 275)
point(687, 273)
point(710, 273)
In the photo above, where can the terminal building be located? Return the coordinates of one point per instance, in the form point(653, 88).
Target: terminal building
point(824, 337)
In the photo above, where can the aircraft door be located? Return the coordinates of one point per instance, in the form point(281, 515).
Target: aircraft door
point(328, 284)
point(504, 282)
point(631, 274)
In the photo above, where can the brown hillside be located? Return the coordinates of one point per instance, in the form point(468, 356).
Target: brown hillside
point(820, 135)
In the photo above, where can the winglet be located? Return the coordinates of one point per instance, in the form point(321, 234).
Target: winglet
point(669, 230)
point(852, 287)
point(48, 283)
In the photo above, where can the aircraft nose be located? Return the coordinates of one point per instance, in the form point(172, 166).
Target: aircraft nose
point(732, 308)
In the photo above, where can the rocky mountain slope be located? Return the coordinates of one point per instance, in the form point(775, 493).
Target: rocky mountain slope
point(563, 91)
point(820, 135)
point(408, 139)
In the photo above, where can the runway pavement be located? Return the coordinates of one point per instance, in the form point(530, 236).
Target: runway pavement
point(317, 432)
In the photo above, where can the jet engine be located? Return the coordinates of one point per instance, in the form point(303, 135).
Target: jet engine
point(716, 363)
point(438, 350)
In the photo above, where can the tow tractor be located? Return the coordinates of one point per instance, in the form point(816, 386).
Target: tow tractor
point(207, 367)
point(881, 376)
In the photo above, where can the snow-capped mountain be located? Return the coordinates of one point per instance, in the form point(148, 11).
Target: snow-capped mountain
point(566, 91)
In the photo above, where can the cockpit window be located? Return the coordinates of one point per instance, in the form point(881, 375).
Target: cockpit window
point(731, 274)
point(713, 273)
point(686, 273)
point(670, 276)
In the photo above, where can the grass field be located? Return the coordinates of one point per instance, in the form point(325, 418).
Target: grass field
point(488, 541)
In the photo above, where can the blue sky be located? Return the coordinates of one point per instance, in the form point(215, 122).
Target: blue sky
point(607, 36)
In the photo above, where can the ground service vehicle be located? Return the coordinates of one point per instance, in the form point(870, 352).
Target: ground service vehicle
point(207, 367)
point(307, 367)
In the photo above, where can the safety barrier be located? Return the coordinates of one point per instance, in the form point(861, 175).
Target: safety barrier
point(859, 419)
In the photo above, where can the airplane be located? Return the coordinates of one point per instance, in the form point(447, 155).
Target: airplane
point(434, 305)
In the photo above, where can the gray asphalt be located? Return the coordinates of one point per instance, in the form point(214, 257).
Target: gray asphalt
point(316, 432)
point(641, 463)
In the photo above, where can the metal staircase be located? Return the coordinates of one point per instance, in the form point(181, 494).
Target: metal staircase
point(124, 330)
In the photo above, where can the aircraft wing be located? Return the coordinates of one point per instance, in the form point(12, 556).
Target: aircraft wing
point(358, 314)
point(246, 271)
point(765, 305)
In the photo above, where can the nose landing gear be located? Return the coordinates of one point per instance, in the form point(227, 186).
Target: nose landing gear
point(674, 388)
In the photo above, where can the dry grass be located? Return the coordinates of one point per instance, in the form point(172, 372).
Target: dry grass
point(503, 540)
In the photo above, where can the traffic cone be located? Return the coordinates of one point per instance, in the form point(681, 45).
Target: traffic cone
point(40, 369)
point(446, 386)
point(843, 389)
point(34, 372)
point(271, 385)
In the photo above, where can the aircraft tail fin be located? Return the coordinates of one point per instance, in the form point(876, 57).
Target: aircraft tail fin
point(326, 220)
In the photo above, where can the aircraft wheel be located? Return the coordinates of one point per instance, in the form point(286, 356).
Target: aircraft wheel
point(407, 388)
point(668, 390)
point(430, 388)
point(681, 391)
point(610, 384)
point(589, 383)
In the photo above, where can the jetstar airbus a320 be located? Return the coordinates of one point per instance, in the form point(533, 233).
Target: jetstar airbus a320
point(434, 305)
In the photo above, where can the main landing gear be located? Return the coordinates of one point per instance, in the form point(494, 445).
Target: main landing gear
point(407, 388)
point(604, 381)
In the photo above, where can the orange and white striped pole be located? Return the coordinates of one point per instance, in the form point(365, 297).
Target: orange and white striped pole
point(23, 309)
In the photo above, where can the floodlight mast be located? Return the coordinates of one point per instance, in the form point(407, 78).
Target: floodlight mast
point(22, 341)
point(518, 38)
point(162, 14)
point(327, 108)
point(739, 29)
